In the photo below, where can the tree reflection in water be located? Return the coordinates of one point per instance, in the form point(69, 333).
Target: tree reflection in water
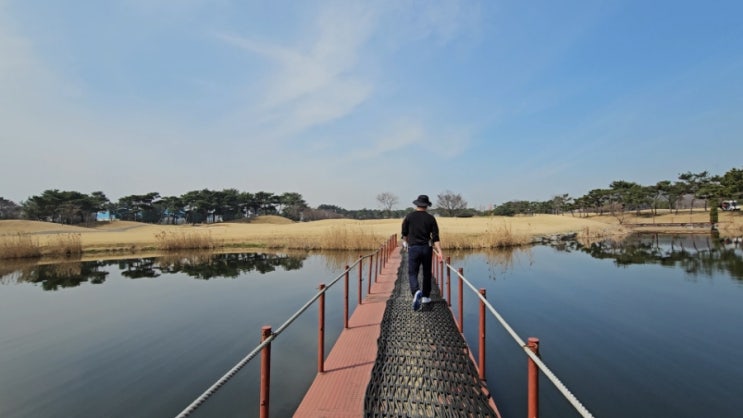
point(202, 266)
point(695, 254)
point(499, 261)
point(208, 266)
point(61, 275)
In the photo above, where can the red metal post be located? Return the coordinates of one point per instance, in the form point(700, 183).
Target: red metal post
point(361, 262)
point(382, 258)
point(441, 275)
point(482, 336)
point(368, 284)
point(533, 371)
point(377, 264)
point(461, 300)
point(265, 372)
point(439, 278)
point(448, 282)
point(345, 299)
point(321, 332)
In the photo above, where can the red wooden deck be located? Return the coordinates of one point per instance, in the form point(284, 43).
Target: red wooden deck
point(340, 390)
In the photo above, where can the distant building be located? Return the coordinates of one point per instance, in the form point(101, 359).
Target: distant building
point(104, 216)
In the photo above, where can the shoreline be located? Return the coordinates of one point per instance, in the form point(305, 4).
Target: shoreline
point(122, 239)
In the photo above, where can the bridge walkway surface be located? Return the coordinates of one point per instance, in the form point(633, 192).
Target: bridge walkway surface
point(395, 362)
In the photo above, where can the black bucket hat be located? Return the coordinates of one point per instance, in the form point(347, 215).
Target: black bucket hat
point(422, 201)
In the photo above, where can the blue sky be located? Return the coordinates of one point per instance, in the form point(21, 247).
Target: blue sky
point(343, 100)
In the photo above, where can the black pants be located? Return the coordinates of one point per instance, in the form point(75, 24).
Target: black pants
point(420, 255)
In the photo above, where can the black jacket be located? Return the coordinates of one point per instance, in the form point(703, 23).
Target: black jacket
point(420, 228)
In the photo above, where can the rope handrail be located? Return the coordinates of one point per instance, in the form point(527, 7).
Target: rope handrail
point(235, 369)
point(582, 410)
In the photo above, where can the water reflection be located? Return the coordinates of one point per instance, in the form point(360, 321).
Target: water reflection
point(61, 275)
point(695, 254)
point(338, 260)
point(202, 266)
point(498, 261)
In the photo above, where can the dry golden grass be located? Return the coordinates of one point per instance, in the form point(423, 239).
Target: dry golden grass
point(19, 245)
point(183, 240)
point(26, 245)
point(271, 219)
point(65, 245)
point(503, 232)
point(665, 216)
point(120, 237)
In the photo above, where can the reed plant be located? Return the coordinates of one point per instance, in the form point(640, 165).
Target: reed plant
point(178, 241)
point(495, 235)
point(731, 229)
point(65, 245)
point(19, 245)
point(348, 237)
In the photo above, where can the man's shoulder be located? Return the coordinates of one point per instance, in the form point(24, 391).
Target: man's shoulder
point(420, 216)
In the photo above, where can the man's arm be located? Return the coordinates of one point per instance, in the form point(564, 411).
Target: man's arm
point(437, 246)
point(435, 238)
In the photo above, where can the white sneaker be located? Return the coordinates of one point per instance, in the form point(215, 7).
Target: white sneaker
point(425, 300)
point(417, 300)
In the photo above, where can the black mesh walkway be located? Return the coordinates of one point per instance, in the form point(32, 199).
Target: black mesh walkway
point(423, 368)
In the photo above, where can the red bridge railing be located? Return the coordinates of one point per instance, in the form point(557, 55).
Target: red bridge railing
point(377, 261)
point(531, 348)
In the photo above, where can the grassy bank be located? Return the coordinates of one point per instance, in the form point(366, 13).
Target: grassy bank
point(27, 239)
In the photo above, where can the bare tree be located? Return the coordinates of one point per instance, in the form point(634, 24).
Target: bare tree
point(450, 203)
point(387, 200)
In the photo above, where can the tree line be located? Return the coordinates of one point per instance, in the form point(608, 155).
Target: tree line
point(202, 206)
point(622, 197)
point(198, 206)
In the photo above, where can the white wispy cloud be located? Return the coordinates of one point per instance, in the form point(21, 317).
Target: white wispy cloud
point(64, 136)
point(399, 136)
point(316, 80)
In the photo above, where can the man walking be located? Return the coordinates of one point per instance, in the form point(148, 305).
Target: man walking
point(420, 232)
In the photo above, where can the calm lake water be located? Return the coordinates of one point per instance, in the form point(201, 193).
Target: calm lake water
point(649, 328)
